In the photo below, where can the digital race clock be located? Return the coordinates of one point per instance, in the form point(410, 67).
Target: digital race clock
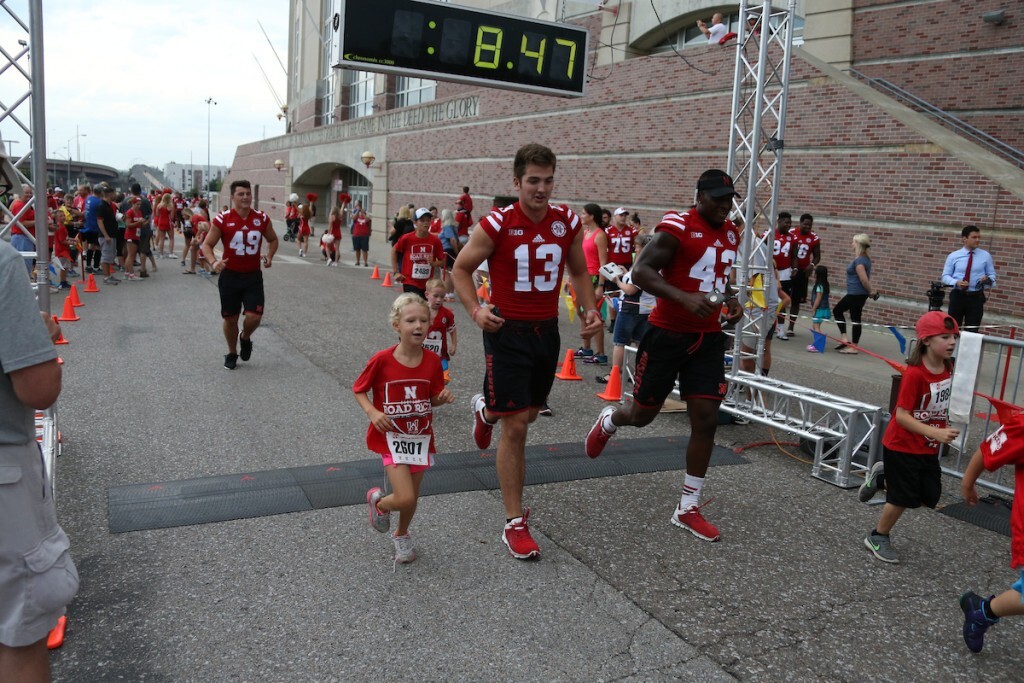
point(452, 43)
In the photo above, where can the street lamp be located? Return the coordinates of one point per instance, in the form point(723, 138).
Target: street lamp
point(210, 102)
point(78, 144)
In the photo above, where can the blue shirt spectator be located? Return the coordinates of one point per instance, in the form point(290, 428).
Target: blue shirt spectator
point(853, 283)
point(982, 267)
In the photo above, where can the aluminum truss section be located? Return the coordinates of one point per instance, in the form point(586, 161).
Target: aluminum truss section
point(759, 97)
point(21, 65)
point(838, 427)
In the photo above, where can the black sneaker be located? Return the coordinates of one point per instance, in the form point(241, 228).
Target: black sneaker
point(230, 361)
point(245, 348)
point(545, 411)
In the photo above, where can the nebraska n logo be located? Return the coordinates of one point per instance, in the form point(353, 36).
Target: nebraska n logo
point(410, 393)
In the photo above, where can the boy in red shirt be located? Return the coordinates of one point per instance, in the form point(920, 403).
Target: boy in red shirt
point(1004, 447)
point(422, 254)
point(62, 249)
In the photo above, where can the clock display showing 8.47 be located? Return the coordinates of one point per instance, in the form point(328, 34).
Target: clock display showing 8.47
point(448, 42)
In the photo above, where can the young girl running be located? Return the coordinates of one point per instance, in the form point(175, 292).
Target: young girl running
point(442, 324)
point(911, 475)
point(406, 383)
point(819, 302)
point(304, 229)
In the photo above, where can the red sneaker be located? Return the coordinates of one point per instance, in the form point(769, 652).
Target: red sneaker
point(691, 520)
point(598, 437)
point(516, 536)
point(481, 428)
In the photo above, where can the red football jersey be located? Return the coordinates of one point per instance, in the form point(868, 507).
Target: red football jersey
point(528, 260)
point(1005, 446)
point(463, 221)
point(242, 239)
point(361, 227)
point(418, 255)
point(782, 250)
point(803, 244)
point(435, 227)
point(702, 263)
point(402, 393)
point(437, 334)
point(925, 396)
point(620, 244)
point(467, 202)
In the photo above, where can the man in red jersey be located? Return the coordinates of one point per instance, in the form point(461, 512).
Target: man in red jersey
point(782, 250)
point(463, 221)
point(421, 252)
point(686, 266)
point(621, 245)
point(242, 231)
point(806, 257)
point(527, 245)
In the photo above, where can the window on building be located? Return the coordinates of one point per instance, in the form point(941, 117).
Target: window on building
point(360, 93)
point(412, 91)
point(691, 35)
point(325, 85)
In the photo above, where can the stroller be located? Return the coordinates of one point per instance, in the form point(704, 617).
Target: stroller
point(292, 224)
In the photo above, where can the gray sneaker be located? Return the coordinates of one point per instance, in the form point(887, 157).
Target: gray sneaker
point(379, 521)
point(404, 553)
point(881, 547)
point(870, 486)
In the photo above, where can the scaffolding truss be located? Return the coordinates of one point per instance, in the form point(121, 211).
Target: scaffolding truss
point(21, 67)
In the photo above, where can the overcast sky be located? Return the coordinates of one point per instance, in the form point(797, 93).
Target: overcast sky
point(134, 75)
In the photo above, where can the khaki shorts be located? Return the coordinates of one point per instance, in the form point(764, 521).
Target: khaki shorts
point(37, 577)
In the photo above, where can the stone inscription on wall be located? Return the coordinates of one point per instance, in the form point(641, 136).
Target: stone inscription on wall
point(434, 113)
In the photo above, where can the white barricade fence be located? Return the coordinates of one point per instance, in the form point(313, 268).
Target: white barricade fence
point(48, 438)
point(980, 358)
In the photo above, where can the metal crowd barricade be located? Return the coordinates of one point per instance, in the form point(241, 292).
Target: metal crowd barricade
point(48, 438)
point(980, 357)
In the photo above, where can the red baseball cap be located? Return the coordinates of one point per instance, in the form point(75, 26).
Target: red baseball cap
point(934, 323)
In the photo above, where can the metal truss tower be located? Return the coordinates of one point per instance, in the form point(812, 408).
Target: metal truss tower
point(28, 85)
point(756, 141)
point(837, 427)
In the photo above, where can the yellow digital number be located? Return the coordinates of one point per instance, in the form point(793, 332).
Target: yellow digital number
point(572, 53)
point(493, 48)
point(538, 55)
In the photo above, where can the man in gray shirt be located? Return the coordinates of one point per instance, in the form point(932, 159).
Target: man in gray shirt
point(37, 577)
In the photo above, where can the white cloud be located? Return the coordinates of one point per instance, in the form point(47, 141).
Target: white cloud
point(134, 77)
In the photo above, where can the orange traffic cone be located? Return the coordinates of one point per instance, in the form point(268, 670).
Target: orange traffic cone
point(61, 339)
point(376, 272)
point(568, 367)
point(483, 294)
point(90, 286)
point(613, 391)
point(387, 280)
point(75, 301)
point(69, 315)
point(56, 637)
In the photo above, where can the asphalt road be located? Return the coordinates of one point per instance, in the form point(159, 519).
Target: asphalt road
point(789, 593)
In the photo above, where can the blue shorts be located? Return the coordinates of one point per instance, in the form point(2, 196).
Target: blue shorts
point(360, 243)
point(629, 326)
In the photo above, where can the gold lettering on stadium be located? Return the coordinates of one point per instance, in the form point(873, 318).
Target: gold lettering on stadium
point(433, 113)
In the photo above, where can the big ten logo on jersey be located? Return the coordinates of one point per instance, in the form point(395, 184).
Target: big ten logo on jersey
point(407, 397)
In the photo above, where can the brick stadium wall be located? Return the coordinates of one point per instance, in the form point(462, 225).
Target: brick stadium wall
point(945, 54)
point(649, 126)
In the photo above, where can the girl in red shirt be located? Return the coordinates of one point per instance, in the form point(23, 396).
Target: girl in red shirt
point(334, 246)
point(406, 383)
point(911, 474)
point(304, 230)
point(162, 216)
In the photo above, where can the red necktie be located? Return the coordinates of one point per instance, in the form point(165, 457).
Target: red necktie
point(967, 273)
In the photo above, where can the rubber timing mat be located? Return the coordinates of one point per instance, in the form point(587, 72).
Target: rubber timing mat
point(273, 492)
point(991, 512)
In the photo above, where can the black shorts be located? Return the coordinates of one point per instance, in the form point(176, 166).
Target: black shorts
point(609, 286)
point(798, 286)
point(912, 480)
point(92, 238)
point(413, 289)
point(449, 259)
point(521, 359)
point(240, 291)
point(696, 359)
point(188, 234)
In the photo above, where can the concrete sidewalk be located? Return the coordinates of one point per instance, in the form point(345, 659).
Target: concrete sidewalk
point(789, 593)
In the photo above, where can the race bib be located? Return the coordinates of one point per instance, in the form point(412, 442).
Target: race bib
point(421, 271)
point(409, 449)
point(433, 343)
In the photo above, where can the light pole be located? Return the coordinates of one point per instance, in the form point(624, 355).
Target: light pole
point(78, 144)
point(69, 161)
point(209, 104)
